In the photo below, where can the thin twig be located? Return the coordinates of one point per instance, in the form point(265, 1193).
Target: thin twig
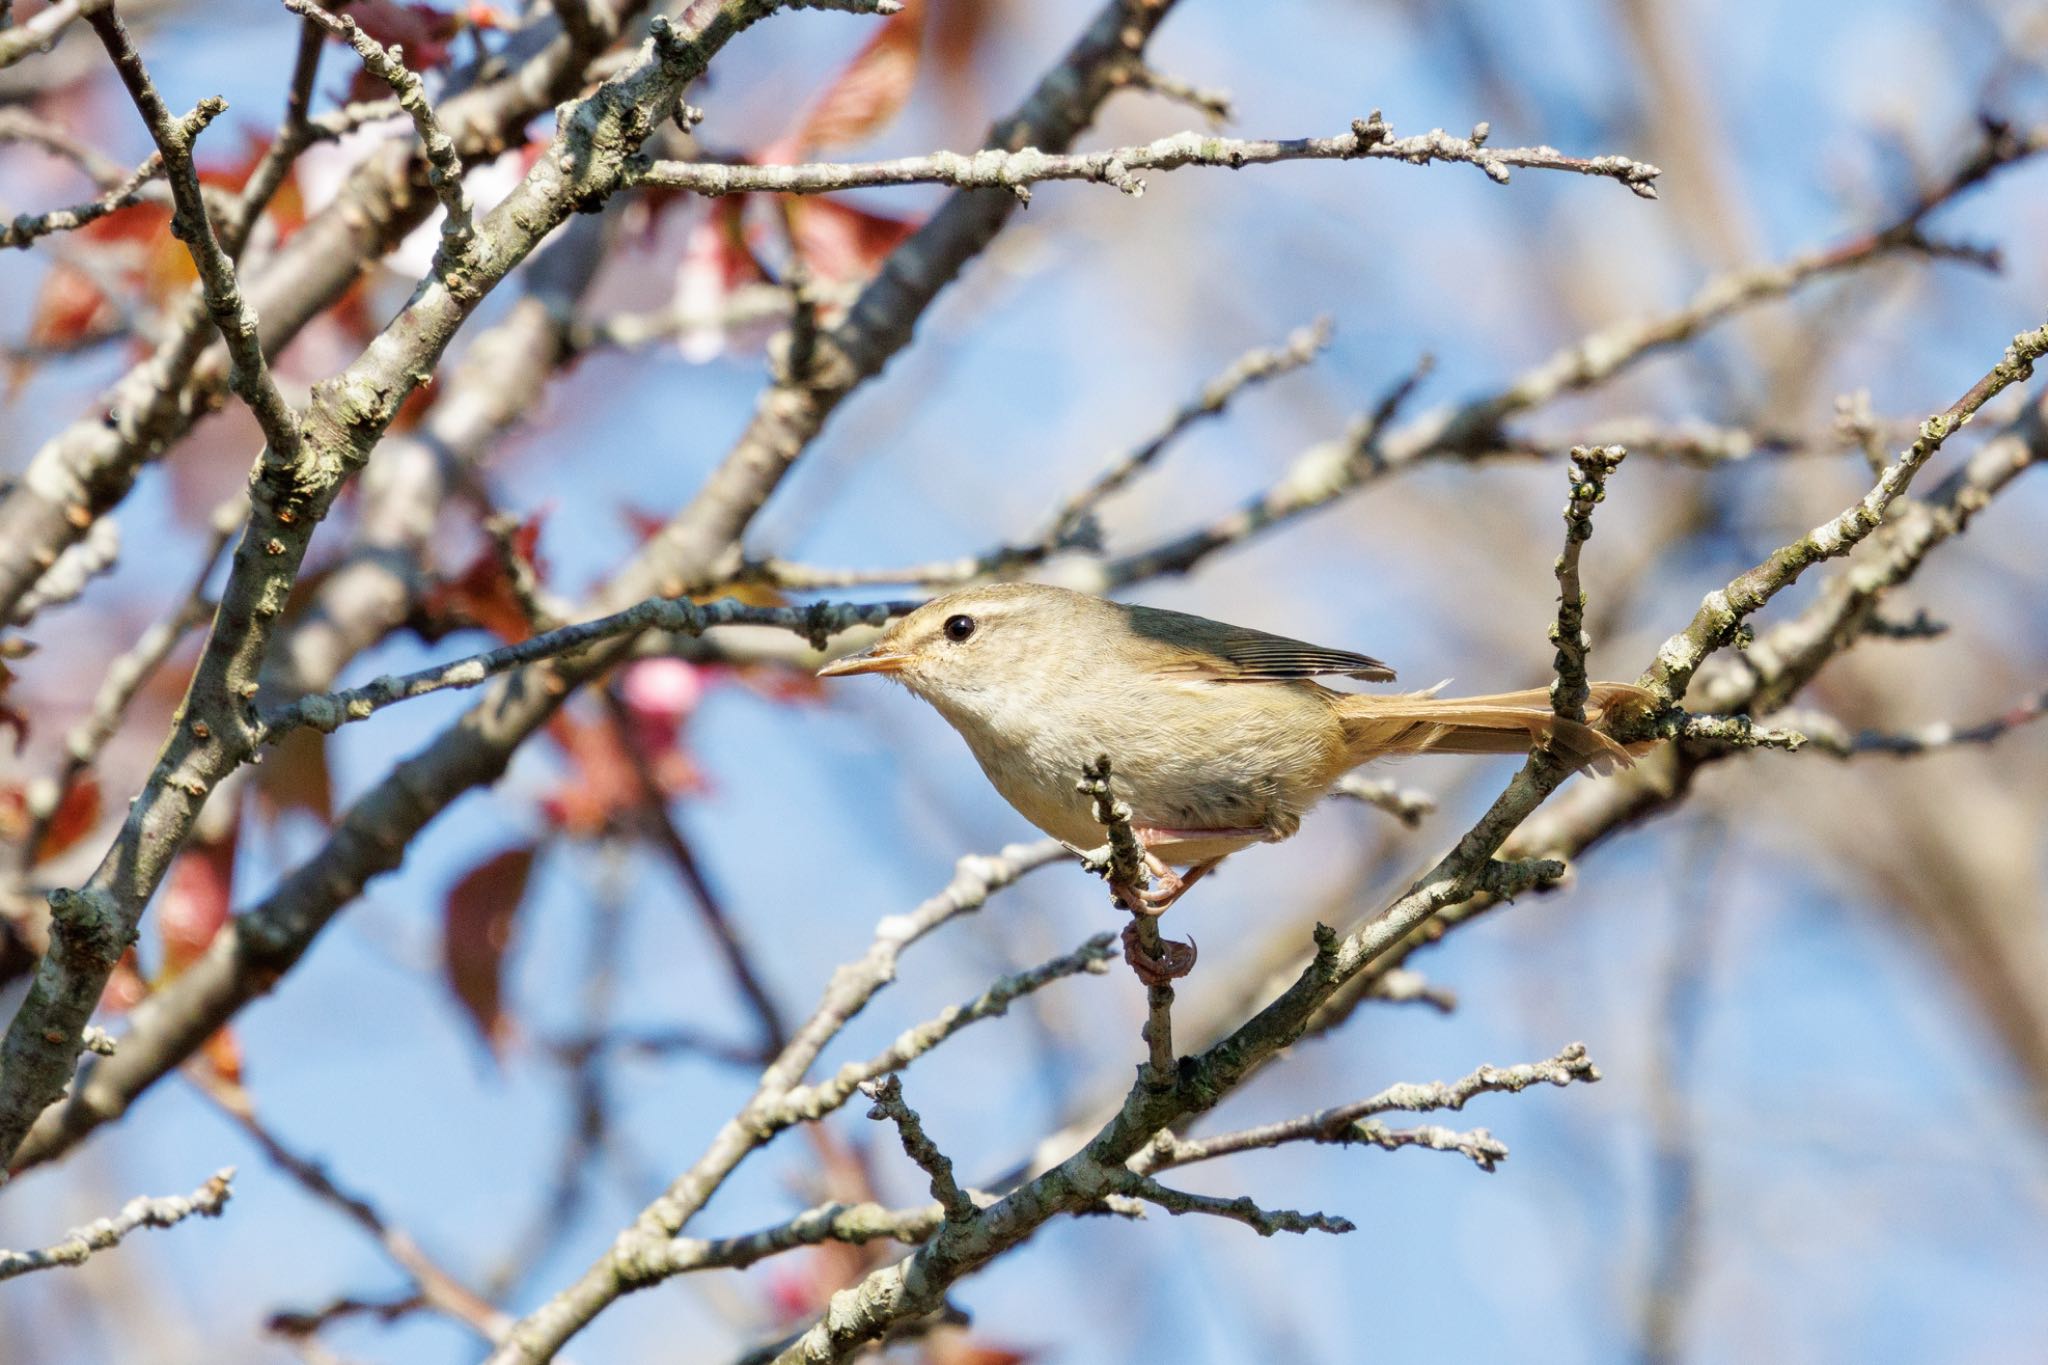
point(444, 163)
point(39, 32)
point(168, 1211)
point(1017, 171)
point(1212, 103)
point(130, 190)
point(250, 375)
point(1403, 803)
point(1831, 737)
point(329, 711)
point(1265, 1222)
point(822, 1097)
point(1721, 615)
point(887, 1094)
point(1589, 470)
point(1247, 371)
point(1341, 1124)
point(441, 1290)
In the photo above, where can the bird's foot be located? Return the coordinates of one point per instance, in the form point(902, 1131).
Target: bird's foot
point(1152, 897)
point(1173, 960)
point(1167, 886)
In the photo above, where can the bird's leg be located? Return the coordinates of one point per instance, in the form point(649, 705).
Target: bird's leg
point(1167, 886)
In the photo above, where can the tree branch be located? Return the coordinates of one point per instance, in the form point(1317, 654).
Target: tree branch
point(444, 163)
point(1589, 470)
point(1018, 170)
point(887, 1094)
point(817, 622)
point(168, 1211)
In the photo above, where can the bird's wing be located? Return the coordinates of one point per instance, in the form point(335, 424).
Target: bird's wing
point(1201, 648)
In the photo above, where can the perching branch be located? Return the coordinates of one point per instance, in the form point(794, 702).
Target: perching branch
point(1589, 470)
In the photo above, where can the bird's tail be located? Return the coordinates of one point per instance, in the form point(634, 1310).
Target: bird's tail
point(1506, 723)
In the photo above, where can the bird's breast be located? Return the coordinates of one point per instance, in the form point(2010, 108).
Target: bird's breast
point(1186, 757)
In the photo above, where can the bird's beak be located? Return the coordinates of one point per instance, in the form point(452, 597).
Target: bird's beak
point(873, 660)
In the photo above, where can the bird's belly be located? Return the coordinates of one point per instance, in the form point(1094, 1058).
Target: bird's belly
point(1188, 812)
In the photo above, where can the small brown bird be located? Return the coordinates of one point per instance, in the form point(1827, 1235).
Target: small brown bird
point(1219, 736)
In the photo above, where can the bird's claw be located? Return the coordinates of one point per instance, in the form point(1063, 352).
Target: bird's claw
point(1150, 899)
point(1175, 959)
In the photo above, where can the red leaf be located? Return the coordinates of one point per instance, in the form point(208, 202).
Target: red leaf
point(223, 1053)
point(476, 930)
point(482, 595)
point(76, 816)
point(196, 902)
point(602, 786)
point(69, 307)
point(125, 988)
point(422, 30)
point(871, 90)
point(841, 242)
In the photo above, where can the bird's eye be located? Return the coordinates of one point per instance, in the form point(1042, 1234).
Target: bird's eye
point(959, 628)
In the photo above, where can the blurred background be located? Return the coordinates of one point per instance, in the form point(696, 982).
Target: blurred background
point(1818, 991)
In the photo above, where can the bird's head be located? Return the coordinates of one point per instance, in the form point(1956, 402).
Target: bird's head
point(973, 648)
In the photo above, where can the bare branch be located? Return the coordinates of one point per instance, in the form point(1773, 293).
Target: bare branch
point(696, 546)
point(232, 316)
point(1589, 470)
point(1265, 1222)
point(444, 163)
point(803, 1102)
point(1018, 170)
point(1723, 612)
point(1212, 103)
point(1249, 370)
point(647, 1250)
point(1831, 737)
point(168, 1211)
point(1406, 805)
point(887, 1094)
point(126, 192)
point(817, 622)
point(40, 32)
